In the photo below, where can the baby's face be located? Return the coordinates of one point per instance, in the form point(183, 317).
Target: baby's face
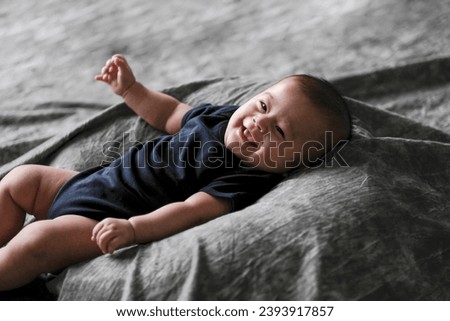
point(270, 130)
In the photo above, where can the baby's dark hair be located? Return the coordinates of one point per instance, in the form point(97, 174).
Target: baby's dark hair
point(322, 94)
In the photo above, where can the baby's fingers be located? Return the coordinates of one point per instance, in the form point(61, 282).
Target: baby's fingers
point(96, 231)
point(104, 241)
point(99, 229)
point(109, 242)
point(99, 77)
point(120, 62)
point(108, 72)
point(113, 244)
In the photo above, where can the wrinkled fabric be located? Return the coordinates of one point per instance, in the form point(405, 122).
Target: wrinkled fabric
point(372, 223)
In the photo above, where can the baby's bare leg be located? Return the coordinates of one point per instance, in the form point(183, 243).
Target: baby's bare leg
point(27, 189)
point(46, 246)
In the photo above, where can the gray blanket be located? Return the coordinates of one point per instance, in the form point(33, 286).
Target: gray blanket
point(371, 224)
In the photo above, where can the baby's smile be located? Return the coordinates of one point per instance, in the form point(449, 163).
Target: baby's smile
point(268, 131)
point(247, 137)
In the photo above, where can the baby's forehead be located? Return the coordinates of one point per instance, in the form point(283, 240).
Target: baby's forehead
point(294, 84)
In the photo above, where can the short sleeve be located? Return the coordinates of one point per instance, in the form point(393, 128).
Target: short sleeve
point(208, 110)
point(195, 111)
point(240, 185)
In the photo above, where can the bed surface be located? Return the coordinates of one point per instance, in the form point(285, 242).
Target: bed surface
point(370, 224)
point(377, 229)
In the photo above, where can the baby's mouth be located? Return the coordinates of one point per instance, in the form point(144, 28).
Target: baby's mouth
point(248, 138)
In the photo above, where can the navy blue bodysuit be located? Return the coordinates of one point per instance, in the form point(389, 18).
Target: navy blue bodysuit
point(167, 169)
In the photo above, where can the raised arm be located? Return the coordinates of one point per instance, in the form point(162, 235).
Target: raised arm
point(161, 111)
point(112, 234)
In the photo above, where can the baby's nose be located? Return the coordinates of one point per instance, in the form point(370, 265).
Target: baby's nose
point(262, 123)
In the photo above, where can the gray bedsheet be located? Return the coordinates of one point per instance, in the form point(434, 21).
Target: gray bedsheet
point(371, 224)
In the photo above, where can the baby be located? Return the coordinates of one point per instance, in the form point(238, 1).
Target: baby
point(214, 160)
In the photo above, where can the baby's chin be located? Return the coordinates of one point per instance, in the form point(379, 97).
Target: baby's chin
point(276, 169)
point(254, 162)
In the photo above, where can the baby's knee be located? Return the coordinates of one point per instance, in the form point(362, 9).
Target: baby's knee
point(31, 248)
point(36, 240)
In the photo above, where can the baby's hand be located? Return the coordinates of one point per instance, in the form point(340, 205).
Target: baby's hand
point(118, 74)
point(112, 234)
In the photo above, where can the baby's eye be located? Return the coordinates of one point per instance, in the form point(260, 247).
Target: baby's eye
point(263, 106)
point(279, 130)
